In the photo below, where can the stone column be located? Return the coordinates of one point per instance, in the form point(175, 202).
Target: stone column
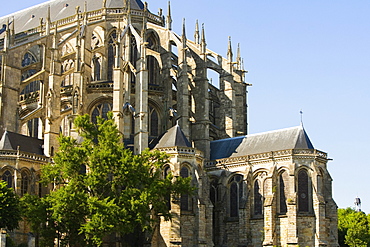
point(183, 94)
point(141, 103)
point(52, 105)
point(200, 128)
point(9, 83)
point(292, 212)
point(118, 89)
point(228, 103)
point(269, 214)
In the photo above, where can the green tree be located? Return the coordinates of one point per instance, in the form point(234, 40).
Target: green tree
point(102, 188)
point(353, 228)
point(10, 213)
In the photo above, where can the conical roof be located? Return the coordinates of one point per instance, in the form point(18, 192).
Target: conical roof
point(59, 9)
point(172, 138)
point(290, 138)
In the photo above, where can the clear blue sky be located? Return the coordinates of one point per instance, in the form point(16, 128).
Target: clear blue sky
point(310, 55)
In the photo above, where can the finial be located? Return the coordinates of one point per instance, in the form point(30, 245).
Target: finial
point(169, 18)
point(104, 3)
point(301, 112)
point(203, 38)
point(183, 32)
point(48, 14)
point(238, 58)
point(229, 51)
point(128, 5)
point(196, 34)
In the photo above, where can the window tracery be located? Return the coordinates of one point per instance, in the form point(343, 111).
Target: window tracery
point(67, 70)
point(28, 59)
point(66, 49)
point(185, 200)
point(166, 172)
point(25, 180)
point(235, 194)
point(33, 127)
point(101, 110)
point(303, 191)
point(95, 41)
point(8, 178)
point(111, 54)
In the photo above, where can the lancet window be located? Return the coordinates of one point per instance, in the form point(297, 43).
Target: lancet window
point(258, 198)
point(185, 200)
point(154, 122)
point(25, 181)
point(8, 178)
point(283, 192)
point(67, 71)
point(304, 196)
point(235, 194)
point(166, 172)
point(111, 54)
point(33, 127)
point(101, 110)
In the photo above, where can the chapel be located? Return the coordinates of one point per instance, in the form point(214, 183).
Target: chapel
point(64, 58)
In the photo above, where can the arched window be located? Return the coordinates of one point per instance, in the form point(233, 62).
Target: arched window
point(31, 90)
point(235, 194)
point(154, 122)
point(213, 194)
point(153, 70)
point(258, 198)
point(167, 171)
point(303, 191)
point(185, 200)
point(33, 127)
point(134, 53)
point(28, 59)
point(283, 192)
point(7, 177)
point(25, 181)
point(65, 126)
point(111, 54)
point(101, 110)
point(67, 70)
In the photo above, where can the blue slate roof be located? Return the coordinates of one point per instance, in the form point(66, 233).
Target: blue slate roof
point(290, 138)
point(11, 141)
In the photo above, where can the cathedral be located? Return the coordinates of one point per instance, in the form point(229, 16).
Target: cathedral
point(63, 58)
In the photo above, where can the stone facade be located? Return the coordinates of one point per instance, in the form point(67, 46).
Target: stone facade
point(60, 59)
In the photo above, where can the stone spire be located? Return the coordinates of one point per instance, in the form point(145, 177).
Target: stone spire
point(169, 18)
point(48, 21)
point(128, 5)
point(183, 33)
point(238, 58)
point(203, 40)
point(230, 51)
point(196, 34)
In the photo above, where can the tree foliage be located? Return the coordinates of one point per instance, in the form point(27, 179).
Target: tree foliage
point(10, 213)
point(353, 228)
point(102, 188)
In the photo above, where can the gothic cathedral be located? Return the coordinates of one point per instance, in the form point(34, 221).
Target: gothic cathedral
point(63, 58)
